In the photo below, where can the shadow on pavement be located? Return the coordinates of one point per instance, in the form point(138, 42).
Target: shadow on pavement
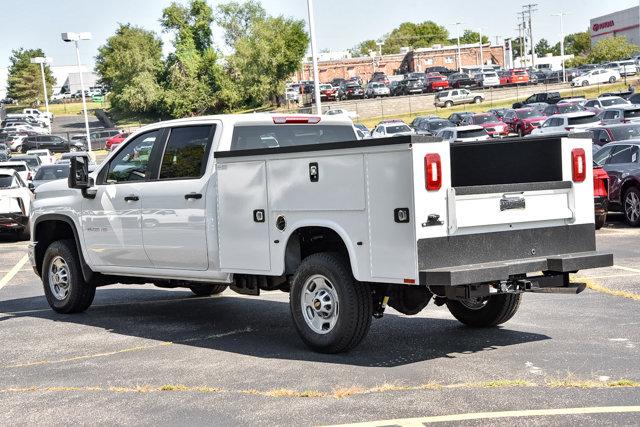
point(393, 341)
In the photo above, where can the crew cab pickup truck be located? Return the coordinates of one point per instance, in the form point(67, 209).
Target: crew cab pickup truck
point(547, 97)
point(267, 202)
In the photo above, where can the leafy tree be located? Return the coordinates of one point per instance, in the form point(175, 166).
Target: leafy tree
point(577, 43)
point(192, 23)
point(470, 37)
point(266, 57)
point(25, 78)
point(542, 47)
point(236, 18)
point(364, 48)
point(612, 49)
point(424, 34)
point(129, 64)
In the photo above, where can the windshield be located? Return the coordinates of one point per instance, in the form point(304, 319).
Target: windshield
point(32, 162)
point(621, 133)
point(523, 114)
point(472, 133)
point(631, 114)
point(398, 129)
point(49, 173)
point(569, 108)
point(485, 118)
point(435, 125)
point(257, 137)
point(17, 168)
point(583, 120)
point(326, 87)
point(612, 101)
point(8, 181)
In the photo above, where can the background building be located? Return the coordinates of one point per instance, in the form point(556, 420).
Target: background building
point(65, 76)
point(624, 23)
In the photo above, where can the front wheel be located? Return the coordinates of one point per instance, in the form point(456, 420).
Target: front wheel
point(331, 310)
point(448, 104)
point(631, 205)
point(612, 79)
point(601, 221)
point(64, 286)
point(585, 83)
point(73, 149)
point(485, 312)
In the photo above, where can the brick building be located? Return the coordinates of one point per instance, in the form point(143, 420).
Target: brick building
point(414, 61)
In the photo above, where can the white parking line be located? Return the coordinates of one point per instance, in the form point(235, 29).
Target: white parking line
point(16, 268)
point(505, 414)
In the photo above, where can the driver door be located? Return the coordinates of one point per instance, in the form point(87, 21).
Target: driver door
point(112, 221)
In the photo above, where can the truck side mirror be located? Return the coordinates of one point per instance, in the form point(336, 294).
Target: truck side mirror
point(79, 173)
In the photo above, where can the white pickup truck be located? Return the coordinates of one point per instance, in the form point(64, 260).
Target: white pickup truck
point(295, 203)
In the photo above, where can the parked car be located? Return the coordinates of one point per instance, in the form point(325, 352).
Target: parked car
point(489, 122)
point(351, 90)
point(327, 93)
point(15, 206)
point(376, 89)
point(523, 120)
point(21, 127)
point(5, 151)
point(449, 98)
point(621, 162)
point(409, 87)
point(384, 130)
point(99, 138)
point(600, 195)
point(602, 103)
point(379, 77)
point(114, 141)
point(461, 80)
point(20, 167)
point(498, 112)
point(431, 126)
point(48, 173)
point(546, 97)
point(46, 158)
point(339, 111)
point(634, 98)
point(418, 119)
point(561, 108)
point(625, 68)
point(31, 160)
point(599, 75)
point(563, 123)
point(469, 133)
point(37, 113)
point(623, 114)
point(517, 76)
point(435, 82)
point(458, 118)
point(15, 141)
point(54, 143)
point(487, 79)
point(602, 135)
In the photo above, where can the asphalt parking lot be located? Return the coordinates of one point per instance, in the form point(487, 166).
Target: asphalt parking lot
point(146, 355)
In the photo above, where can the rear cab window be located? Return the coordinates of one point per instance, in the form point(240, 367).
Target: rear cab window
point(251, 137)
point(582, 120)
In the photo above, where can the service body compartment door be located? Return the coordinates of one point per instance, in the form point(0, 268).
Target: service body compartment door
point(243, 220)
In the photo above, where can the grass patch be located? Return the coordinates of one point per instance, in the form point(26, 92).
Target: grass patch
point(66, 109)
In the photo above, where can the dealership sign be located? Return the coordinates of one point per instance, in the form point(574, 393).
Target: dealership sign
point(602, 25)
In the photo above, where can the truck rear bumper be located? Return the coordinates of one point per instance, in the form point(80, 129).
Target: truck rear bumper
point(502, 270)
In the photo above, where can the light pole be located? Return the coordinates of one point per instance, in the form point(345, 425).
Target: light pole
point(458, 24)
point(76, 37)
point(42, 60)
point(314, 58)
point(562, 15)
point(481, 56)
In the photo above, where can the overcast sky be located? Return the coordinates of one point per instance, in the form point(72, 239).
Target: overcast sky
point(340, 24)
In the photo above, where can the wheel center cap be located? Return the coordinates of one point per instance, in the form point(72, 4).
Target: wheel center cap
point(317, 304)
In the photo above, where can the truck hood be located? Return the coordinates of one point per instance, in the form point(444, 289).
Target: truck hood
point(56, 188)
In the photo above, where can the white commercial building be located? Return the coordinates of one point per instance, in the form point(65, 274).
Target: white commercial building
point(625, 23)
point(65, 76)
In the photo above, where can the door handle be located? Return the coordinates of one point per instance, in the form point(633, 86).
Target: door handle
point(131, 198)
point(195, 196)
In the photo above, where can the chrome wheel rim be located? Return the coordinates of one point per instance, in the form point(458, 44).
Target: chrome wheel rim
point(319, 301)
point(477, 303)
point(632, 207)
point(59, 278)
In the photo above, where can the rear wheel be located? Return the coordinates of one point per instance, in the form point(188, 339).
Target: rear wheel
point(612, 79)
point(477, 100)
point(485, 312)
point(331, 310)
point(206, 290)
point(631, 206)
point(585, 83)
point(600, 221)
point(64, 286)
point(448, 104)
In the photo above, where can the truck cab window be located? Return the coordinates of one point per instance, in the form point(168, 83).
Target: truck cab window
point(132, 161)
point(186, 152)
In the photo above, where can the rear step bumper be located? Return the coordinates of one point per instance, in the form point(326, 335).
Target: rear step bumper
point(502, 270)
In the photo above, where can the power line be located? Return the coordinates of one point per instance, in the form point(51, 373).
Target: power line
point(528, 10)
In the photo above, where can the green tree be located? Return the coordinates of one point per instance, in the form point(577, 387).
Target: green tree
point(24, 81)
point(470, 37)
point(129, 64)
point(191, 23)
point(542, 47)
point(266, 57)
point(577, 43)
point(364, 48)
point(611, 49)
point(409, 34)
point(236, 18)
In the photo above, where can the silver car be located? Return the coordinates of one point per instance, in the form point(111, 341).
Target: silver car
point(376, 89)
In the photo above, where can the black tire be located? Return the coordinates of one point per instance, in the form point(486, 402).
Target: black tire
point(601, 220)
point(448, 104)
point(477, 100)
point(24, 234)
point(612, 79)
point(353, 299)
point(497, 310)
point(80, 294)
point(631, 215)
point(585, 83)
point(207, 290)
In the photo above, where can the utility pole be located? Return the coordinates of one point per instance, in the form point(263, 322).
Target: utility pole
point(528, 10)
point(314, 58)
point(481, 56)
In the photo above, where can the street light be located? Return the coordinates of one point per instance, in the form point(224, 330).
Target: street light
point(42, 60)
point(562, 15)
point(76, 37)
point(457, 24)
point(314, 58)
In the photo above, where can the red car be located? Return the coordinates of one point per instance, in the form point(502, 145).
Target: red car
point(517, 76)
point(436, 82)
point(491, 123)
point(328, 92)
point(115, 140)
point(600, 195)
point(523, 120)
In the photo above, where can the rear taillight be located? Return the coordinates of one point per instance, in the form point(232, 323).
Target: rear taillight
point(281, 120)
point(432, 172)
point(600, 182)
point(579, 164)
point(28, 176)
